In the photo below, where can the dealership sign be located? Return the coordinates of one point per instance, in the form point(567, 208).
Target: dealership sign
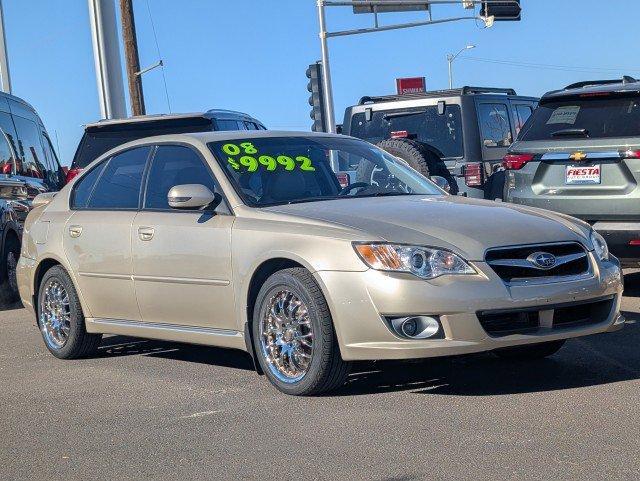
point(411, 85)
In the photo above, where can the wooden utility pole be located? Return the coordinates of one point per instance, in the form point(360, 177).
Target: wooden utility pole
point(133, 60)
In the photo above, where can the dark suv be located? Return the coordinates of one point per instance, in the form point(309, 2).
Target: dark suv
point(579, 154)
point(105, 135)
point(28, 167)
point(467, 130)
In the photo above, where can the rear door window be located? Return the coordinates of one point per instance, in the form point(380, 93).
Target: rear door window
point(6, 155)
point(32, 158)
point(521, 114)
point(84, 187)
point(9, 131)
point(424, 124)
point(120, 184)
point(495, 126)
point(595, 118)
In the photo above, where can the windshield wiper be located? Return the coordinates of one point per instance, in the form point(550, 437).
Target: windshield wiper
point(310, 199)
point(384, 194)
point(570, 133)
point(403, 114)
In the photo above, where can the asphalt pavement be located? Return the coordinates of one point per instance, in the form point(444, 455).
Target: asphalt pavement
point(158, 410)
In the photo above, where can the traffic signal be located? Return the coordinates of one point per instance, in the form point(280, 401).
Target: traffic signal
point(502, 11)
point(316, 100)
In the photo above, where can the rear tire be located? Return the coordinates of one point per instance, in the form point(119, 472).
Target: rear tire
point(419, 158)
point(61, 319)
point(9, 283)
point(321, 368)
point(530, 352)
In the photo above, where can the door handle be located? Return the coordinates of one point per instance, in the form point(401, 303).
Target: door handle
point(145, 233)
point(75, 231)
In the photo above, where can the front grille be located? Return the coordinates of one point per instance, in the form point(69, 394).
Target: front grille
point(527, 321)
point(512, 264)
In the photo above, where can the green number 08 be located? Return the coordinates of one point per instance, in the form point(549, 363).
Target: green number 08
point(231, 149)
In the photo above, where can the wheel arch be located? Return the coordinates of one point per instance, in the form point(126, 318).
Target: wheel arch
point(41, 269)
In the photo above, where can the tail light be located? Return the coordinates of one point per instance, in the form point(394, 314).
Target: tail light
point(400, 134)
point(344, 179)
point(71, 174)
point(473, 174)
point(516, 161)
point(630, 154)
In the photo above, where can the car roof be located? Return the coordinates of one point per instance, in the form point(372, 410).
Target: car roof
point(216, 136)
point(243, 134)
point(595, 87)
point(149, 119)
point(431, 94)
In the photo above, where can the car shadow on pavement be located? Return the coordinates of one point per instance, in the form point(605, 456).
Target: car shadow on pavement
point(114, 346)
point(12, 306)
point(632, 284)
point(582, 362)
point(595, 360)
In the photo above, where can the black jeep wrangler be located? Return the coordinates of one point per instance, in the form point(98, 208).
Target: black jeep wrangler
point(460, 134)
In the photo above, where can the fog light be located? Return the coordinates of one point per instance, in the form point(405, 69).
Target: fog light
point(409, 327)
point(417, 327)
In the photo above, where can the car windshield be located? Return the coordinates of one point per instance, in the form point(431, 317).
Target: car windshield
point(594, 118)
point(284, 170)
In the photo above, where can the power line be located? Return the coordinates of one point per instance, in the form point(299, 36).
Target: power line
point(564, 68)
point(155, 37)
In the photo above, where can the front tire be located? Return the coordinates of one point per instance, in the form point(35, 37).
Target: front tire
point(295, 341)
point(530, 352)
point(61, 319)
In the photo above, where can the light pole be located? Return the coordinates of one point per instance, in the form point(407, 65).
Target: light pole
point(451, 58)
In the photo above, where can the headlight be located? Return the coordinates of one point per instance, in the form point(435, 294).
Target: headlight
point(600, 246)
point(423, 262)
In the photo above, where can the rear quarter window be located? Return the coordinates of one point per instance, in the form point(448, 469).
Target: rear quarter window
point(595, 118)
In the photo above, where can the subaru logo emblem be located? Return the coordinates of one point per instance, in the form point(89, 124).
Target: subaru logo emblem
point(542, 260)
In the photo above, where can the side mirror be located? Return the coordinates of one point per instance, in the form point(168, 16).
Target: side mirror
point(42, 199)
point(190, 196)
point(441, 182)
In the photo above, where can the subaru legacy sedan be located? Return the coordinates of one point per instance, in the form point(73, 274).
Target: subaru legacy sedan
point(308, 251)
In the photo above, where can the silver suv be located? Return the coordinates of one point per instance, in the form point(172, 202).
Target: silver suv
point(579, 154)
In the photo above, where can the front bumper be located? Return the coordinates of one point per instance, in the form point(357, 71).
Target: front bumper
point(360, 301)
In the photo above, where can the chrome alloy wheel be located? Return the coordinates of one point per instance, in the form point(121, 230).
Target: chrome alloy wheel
point(55, 314)
point(286, 337)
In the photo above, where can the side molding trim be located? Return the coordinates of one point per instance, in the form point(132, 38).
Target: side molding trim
point(207, 336)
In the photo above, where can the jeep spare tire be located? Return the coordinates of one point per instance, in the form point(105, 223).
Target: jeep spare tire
point(420, 158)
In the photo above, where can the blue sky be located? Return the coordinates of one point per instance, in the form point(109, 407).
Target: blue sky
point(251, 55)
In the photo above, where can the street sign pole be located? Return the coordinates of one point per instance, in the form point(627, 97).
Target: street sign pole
point(375, 7)
point(5, 78)
point(330, 120)
point(106, 52)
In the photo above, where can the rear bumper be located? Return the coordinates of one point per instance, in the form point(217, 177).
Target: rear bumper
point(618, 235)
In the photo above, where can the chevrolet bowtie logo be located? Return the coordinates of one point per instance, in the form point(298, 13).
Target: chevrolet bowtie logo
point(578, 156)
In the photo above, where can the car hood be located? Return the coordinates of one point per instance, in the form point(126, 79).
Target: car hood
point(466, 226)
